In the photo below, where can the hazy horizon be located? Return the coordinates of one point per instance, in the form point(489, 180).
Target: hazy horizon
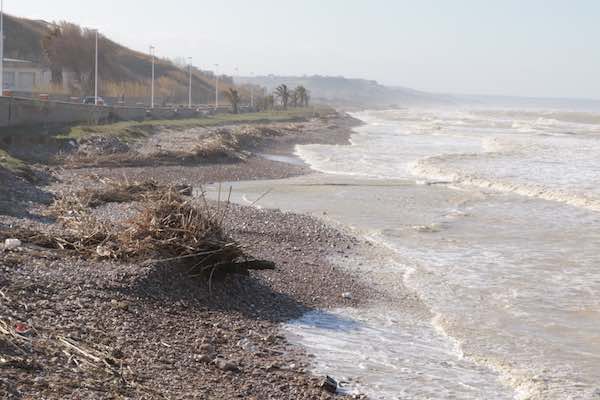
point(539, 49)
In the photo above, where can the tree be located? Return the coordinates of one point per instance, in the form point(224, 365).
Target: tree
point(68, 47)
point(303, 96)
point(295, 98)
point(283, 93)
point(233, 96)
point(50, 54)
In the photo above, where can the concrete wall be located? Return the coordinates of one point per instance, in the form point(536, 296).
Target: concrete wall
point(24, 112)
point(162, 113)
point(16, 111)
point(187, 113)
point(128, 113)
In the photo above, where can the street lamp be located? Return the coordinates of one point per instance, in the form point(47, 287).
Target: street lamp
point(252, 90)
point(216, 86)
point(190, 86)
point(152, 88)
point(1, 47)
point(96, 72)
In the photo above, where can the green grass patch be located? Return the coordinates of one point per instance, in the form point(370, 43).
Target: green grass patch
point(130, 131)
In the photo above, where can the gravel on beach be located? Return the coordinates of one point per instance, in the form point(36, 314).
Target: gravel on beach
point(101, 329)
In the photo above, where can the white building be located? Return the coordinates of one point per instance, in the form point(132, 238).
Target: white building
point(25, 76)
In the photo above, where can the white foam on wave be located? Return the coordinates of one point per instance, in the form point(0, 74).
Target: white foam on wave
point(527, 383)
point(438, 168)
point(546, 158)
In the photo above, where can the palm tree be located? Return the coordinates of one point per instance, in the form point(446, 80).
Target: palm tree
point(283, 93)
point(303, 96)
point(233, 97)
point(295, 98)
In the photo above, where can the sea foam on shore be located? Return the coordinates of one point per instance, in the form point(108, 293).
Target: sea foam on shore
point(510, 278)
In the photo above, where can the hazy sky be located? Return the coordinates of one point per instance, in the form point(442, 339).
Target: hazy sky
point(515, 47)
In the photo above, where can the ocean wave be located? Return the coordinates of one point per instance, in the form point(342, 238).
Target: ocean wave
point(437, 168)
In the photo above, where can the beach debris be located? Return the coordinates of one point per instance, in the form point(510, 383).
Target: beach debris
point(120, 305)
point(21, 328)
point(225, 365)
point(119, 192)
point(203, 358)
point(185, 190)
point(12, 244)
point(329, 384)
point(99, 144)
point(208, 349)
point(103, 251)
point(168, 228)
point(347, 295)
point(247, 345)
point(113, 192)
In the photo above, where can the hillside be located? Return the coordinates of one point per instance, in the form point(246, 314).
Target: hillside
point(24, 38)
point(123, 70)
point(345, 92)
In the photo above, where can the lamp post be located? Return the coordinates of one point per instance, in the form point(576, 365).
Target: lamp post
point(1, 47)
point(96, 73)
point(190, 86)
point(216, 87)
point(252, 91)
point(152, 88)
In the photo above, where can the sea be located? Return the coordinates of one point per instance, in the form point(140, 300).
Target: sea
point(485, 225)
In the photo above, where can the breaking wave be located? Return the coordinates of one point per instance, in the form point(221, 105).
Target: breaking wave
point(440, 168)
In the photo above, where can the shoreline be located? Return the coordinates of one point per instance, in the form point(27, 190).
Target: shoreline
point(144, 310)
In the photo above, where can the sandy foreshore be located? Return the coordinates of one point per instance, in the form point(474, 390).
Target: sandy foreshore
point(106, 329)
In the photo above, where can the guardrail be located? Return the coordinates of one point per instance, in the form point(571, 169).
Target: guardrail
point(16, 111)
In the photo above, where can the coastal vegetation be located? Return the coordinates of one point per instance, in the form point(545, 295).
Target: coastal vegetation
point(302, 96)
point(131, 130)
point(298, 97)
point(11, 163)
point(283, 94)
point(233, 96)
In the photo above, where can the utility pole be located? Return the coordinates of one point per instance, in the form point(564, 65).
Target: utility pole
point(1, 47)
point(152, 89)
point(216, 87)
point(190, 87)
point(96, 73)
point(252, 91)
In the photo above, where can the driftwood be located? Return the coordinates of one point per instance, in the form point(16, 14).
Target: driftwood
point(240, 267)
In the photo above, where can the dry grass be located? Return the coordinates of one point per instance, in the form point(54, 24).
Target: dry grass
point(226, 143)
point(113, 192)
point(82, 232)
point(121, 192)
point(171, 228)
point(168, 228)
point(221, 145)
